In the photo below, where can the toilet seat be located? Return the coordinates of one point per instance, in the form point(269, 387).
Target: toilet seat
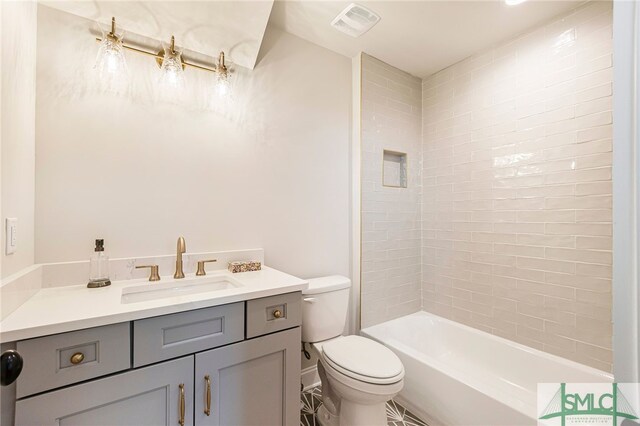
point(363, 359)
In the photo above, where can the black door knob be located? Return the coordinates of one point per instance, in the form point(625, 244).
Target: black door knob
point(10, 367)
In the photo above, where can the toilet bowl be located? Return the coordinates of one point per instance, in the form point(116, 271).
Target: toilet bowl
point(358, 375)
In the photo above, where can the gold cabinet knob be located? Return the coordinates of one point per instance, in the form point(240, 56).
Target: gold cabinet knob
point(277, 313)
point(77, 358)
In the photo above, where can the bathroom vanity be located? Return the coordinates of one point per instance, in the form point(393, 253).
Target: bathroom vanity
point(213, 357)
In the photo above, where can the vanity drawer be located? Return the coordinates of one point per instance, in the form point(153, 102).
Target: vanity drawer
point(62, 359)
point(170, 336)
point(273, 313)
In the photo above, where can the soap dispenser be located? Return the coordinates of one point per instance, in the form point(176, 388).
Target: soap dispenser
point(99, 262)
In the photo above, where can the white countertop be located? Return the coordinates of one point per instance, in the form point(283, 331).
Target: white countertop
point(62, 309)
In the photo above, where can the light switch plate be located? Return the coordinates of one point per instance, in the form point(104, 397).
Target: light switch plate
point(11, 235)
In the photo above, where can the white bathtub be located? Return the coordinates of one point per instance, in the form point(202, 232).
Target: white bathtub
point(457, 375)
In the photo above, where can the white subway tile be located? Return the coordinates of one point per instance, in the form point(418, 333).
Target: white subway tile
point(506, 225)
point(578, 255)
point(578, 229)
point(597, 243)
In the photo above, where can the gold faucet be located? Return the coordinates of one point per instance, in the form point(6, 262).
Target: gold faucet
point(181, 248)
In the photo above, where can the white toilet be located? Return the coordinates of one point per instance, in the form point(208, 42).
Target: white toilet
point(358, 374)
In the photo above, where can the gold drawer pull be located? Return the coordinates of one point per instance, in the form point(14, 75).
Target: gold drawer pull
point(207, 410)
point(182, 407)
point(77, 358)
point(277, 313)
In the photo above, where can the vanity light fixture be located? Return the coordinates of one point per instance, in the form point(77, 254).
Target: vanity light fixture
point(111, 62)
point(223, 85)
point(514, 2)
point(171, 67)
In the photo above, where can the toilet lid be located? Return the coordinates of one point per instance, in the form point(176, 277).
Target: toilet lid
point(363, 359)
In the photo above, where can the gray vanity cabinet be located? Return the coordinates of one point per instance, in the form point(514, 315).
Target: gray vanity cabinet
point(147, 396)
point(190, 368)
point(255, 382)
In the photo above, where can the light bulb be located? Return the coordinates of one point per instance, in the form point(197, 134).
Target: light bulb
point(223, 86)
point(110, 62)
point(172, 74)
point(111, 65)
point(171, 78)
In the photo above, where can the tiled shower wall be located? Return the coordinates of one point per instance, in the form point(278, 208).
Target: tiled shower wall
point(516, 203)
point(391, 260)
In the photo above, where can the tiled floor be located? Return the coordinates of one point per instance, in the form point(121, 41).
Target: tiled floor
point(397, 415)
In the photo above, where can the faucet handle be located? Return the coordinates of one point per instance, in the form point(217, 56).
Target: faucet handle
point(201, 263)
point(155, 276)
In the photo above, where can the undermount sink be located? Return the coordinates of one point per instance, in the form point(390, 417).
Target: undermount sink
point(154, 291)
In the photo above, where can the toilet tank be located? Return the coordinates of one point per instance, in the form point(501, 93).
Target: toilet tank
point(324, 308)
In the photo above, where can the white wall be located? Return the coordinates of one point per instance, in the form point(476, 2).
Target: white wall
point(269, 170)
point(17, 147)
point(517, 205)
point(18, 38)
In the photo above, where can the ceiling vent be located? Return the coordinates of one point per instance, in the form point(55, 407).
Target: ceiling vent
point(355, 20)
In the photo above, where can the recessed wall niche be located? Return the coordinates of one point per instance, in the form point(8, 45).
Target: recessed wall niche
point(394, 169)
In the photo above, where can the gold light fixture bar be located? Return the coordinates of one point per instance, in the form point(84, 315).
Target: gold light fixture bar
point(160, 57)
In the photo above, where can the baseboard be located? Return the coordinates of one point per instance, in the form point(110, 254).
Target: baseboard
point(310, 378)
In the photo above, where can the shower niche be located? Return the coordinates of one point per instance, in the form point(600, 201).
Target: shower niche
point(394, 169)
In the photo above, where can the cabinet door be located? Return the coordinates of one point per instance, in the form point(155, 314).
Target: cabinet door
point(255, 382)
point(147, 396)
